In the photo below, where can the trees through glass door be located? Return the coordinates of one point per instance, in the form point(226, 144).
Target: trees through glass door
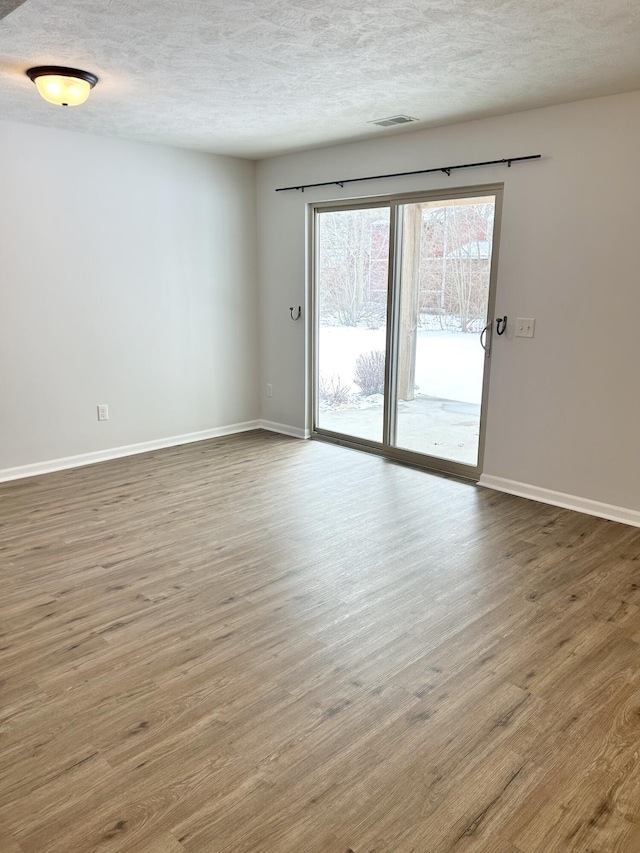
point(403, 290)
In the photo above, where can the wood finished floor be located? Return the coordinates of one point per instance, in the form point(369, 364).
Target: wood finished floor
point(266, 645)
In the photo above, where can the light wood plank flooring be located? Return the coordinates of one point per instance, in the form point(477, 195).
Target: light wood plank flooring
point(262, 645)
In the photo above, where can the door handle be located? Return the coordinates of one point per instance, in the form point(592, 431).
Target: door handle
point(485, 342)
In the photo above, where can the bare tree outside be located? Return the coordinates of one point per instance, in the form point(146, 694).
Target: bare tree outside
point(455, 256)
point(455, 264)
point(441, 290)
point(354, 248)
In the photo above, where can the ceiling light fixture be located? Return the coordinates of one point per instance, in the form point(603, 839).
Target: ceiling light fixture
point(66, 87)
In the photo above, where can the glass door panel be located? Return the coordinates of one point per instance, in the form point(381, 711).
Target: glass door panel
point(352, 270)
point(443, 286)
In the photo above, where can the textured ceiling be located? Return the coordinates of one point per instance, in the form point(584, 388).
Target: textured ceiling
point(7, 6)
point(259, 77)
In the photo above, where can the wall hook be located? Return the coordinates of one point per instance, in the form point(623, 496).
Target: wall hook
point(298, 315)
point(501, 323)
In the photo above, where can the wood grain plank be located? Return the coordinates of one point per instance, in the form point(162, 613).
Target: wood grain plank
point(261, 645)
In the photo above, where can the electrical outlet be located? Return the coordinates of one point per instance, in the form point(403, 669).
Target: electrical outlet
point(269, 390)
point(525, 327)
point(103, 412)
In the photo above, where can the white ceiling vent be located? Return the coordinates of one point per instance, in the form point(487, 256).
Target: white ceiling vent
point(392, 120)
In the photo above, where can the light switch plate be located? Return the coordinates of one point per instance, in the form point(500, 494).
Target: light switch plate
point(525, 327)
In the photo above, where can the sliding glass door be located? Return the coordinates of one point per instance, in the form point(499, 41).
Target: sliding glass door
point(352, 299)
point(403, 289)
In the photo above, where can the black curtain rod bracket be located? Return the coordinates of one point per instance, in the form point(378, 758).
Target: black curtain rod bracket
point(507, 161)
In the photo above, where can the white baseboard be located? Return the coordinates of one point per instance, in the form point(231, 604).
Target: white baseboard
point(285, 429)
point(38, 468)
point(548, 496)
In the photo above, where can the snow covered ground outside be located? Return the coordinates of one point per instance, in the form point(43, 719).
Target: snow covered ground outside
point(449, 365)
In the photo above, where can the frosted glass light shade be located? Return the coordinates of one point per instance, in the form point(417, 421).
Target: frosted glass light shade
point(66, 91)
point(65, 87)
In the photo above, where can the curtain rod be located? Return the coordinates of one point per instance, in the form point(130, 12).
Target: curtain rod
point(446, 169)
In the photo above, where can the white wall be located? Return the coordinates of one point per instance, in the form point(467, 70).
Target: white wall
point(127, 277)
point(564, 409)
